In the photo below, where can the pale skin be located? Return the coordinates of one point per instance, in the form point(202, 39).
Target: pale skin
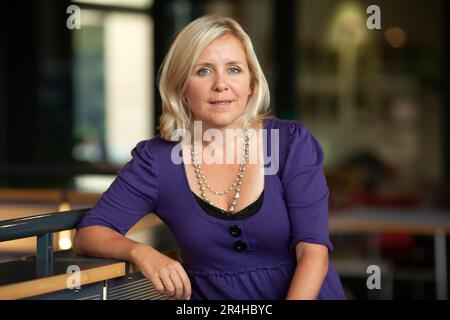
point(221, 73)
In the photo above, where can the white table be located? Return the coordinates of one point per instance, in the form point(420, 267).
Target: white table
point(418, 222)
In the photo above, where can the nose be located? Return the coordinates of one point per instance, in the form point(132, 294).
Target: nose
point(220, 83)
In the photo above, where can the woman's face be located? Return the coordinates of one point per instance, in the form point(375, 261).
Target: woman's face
point(219, 85)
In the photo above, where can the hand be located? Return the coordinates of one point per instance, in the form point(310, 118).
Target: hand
point(167, 275)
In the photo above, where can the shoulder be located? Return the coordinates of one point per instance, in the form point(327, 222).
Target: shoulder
point(153, 147)
point(296, 142)
point(288, 129)
point(155, 153)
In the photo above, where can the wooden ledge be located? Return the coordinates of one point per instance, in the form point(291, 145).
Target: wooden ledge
point(56, 283)
point(19, 280)
point(24, 278)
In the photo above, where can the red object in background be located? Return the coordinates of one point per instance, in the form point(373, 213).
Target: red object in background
point(395, 245)
point(400, 201)
point(366, 199)
point(396, 242)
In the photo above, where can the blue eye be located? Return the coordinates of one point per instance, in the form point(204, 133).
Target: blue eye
point(234, 70)
point(203, 72)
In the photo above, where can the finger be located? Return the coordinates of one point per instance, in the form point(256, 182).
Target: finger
point(186, 282)
point(157, 283)
point(178, 284)
point(167, 282)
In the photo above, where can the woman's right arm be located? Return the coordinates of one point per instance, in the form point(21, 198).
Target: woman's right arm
point(166, 274)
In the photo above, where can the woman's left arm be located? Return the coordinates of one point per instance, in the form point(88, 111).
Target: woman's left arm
point(312, 267)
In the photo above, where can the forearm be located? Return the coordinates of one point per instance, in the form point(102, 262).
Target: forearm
point(309, 275)
point(166, 274)
point(103, 242)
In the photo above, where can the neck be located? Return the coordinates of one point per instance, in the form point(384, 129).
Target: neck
point(223, 144)
point(204, 133)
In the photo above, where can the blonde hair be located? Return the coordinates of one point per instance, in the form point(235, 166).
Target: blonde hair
point(178, 64)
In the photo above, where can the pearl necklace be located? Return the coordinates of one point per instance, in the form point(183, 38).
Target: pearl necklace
point(238, 180)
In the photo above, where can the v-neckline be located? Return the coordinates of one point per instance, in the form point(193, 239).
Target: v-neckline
point(190, 193)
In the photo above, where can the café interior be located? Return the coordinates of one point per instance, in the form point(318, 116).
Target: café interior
point(75, 99)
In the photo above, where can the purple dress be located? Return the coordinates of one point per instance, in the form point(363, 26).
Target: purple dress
point(258, 261)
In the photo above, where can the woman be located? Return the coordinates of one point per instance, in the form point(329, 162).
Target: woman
point(245, 230)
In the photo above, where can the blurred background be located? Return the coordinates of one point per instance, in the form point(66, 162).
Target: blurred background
point(74, 101)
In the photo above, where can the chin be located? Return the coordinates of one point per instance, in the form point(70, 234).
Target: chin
point(223, 121)
point(218, 119)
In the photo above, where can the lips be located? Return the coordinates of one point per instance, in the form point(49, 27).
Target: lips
point(221, 102)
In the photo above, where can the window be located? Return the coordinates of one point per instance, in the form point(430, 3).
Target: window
point(113, 80)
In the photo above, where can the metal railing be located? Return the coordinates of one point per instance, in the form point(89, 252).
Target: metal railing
point(42, 226)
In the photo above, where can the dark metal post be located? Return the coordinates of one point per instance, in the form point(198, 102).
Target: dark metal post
point(44, 254)
point(168, 22)
point(446, 89)
point(285, 59)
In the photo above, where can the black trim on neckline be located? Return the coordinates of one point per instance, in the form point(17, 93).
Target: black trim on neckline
point(242, 214)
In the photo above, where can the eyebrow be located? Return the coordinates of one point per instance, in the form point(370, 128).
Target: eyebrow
point(209, 64)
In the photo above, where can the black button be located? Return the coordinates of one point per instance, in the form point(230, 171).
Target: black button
point(240, 246)
point(235, 231)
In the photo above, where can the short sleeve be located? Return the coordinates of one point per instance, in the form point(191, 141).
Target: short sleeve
point(132, 194)
point(305, 187)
